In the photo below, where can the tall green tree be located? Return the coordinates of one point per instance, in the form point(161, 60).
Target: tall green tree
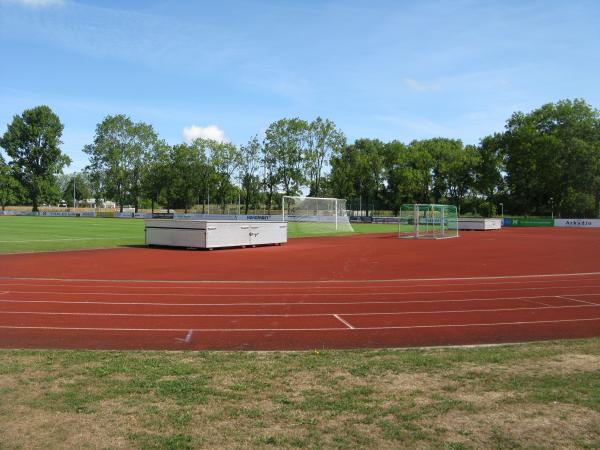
point(224, 159)
point(10, 188)
point(249, 163)
point(551, 154)
point(184, 176)
point(357, 173)
point(156, 172)
point(142, 141)
point(32, 141)
point(286, 140)
point(270, 176)
point(118, 155)
point(323, 139)
point(489, 180)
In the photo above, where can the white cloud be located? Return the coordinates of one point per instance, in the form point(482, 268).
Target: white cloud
point(36, 3)
point(421, 86)
point(210, 132)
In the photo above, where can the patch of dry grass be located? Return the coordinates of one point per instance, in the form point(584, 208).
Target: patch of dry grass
point(541, 395)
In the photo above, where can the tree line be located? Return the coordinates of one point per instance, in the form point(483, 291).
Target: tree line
point(543, 162)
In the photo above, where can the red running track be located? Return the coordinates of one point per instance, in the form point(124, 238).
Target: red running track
point(345, 292)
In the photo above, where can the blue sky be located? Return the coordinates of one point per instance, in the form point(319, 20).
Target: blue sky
point(379, 69)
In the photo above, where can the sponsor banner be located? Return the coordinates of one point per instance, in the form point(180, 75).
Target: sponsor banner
point(132, 215)
point(58, 213)
point(260, 217)
point(107, 214)
point(577, 223)
point(528, 222)
point(384, 219)
point(191, 216)
point(49, 213)
point(160, 215)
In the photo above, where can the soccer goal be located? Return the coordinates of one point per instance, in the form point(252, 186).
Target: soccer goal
point(426, 221)
point(314, 215)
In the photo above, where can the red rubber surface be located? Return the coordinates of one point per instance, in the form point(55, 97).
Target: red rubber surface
point(360, 291)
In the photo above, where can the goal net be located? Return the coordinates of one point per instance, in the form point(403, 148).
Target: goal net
point(427, 221)
point(313, 215)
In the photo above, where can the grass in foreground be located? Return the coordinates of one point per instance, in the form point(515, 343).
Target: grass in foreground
point(34, 234)
point(541, 395)
point(30, 233)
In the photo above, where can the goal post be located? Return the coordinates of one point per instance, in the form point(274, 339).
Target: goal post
point(427, 221)
point(315, 215)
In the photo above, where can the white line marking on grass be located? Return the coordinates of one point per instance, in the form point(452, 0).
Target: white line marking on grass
point(233, 330)
point(307, 294)
point(499, 277)
point(343, 321)
point(403, 302)
point(68, 239)
point(359, 314)
point(577, 300)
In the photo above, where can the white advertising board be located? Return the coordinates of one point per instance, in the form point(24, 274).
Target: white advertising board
point(475, 223)
point(577, 223)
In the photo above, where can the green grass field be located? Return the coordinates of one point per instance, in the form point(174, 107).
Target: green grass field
point(31, 234)
point(540, 395)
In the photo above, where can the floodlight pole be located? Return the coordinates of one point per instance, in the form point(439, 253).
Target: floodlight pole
point(552, 206)
point(73, 190)
point(502, 210)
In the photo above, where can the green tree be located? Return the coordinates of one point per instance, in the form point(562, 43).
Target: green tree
point(286, 141)
point(322, 140)
point(550, 155)
point(10, 188)
point(79, 185)
point(270, 178)
point(357, 173)
point(142, 141)
point(156, 172)
point(489, 180)
point(224, 159)
point(249, 159)
point(118, 156)
point(32, 141)
point(186, 165)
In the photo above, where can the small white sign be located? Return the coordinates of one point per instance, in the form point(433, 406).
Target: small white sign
point(577, 223)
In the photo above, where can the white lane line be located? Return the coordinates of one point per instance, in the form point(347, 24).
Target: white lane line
point(498, 277)
point(360, 314)
point(401, 302)
point(233, 330)
point(537, 302)
point(343, 321)
point(325, 287)
point(307, 294)
point(577, 300)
